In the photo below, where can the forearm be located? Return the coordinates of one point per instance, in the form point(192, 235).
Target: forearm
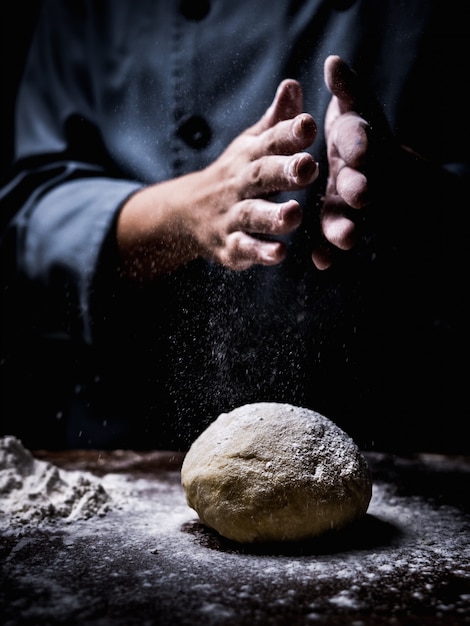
point(153, 230)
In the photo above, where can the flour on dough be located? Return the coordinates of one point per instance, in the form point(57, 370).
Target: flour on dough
point(275, 472)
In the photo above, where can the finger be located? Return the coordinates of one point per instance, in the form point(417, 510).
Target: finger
point(257, 216)
point(322, 256)
point(340, 231)
point(287, 103)
point(271, 174)
point(353, 187)
point(351, 94)
point(337, 227)
point(349, 139)
point(286, 137)
point(342, 82)
point(243, 251)
point(300, 170)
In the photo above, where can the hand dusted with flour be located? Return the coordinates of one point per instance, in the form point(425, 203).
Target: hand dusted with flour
point(275, 472)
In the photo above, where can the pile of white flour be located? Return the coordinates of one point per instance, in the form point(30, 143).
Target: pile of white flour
point(33, 492)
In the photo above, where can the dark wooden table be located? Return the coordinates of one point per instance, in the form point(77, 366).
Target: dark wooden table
point(149, 561)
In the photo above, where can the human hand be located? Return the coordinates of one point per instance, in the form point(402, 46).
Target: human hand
point(226, 212)
point(237, 220)
point(354, 127)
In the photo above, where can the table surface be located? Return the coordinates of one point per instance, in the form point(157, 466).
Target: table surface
point(148, 560)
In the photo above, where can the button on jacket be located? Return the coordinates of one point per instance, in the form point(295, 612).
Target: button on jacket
point(116, 96)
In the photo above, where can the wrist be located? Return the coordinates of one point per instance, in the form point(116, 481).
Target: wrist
point(152, 233)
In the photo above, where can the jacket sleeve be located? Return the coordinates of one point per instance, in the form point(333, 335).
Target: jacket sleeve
point(61, 198)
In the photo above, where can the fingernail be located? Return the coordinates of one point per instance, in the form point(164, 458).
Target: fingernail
point(303, 168)
point(304, 126)
point(290, 212)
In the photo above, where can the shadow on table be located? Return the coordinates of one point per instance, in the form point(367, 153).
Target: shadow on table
point(369, 532)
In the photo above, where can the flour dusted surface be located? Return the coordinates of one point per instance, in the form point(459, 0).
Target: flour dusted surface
point(275, 472)
point(34, 491)
point(150, 561)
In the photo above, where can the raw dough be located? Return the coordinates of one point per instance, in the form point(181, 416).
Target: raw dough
point(275, 472)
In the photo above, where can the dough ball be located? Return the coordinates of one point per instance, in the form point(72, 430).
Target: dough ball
point(275, 472)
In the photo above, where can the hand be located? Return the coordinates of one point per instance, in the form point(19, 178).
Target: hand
point(218, 212)
point(354, 126)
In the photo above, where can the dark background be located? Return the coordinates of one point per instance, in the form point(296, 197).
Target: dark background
point(16, 26)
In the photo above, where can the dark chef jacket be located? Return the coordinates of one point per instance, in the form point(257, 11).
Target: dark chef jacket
point(119, 95)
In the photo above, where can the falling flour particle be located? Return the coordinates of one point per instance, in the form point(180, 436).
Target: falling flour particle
point(33, 492)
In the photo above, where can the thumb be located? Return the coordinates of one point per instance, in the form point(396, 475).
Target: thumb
point(353, 95)
point(342, 83)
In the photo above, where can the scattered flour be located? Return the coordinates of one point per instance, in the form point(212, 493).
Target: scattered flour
point(34, 492)
point(407, 561)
